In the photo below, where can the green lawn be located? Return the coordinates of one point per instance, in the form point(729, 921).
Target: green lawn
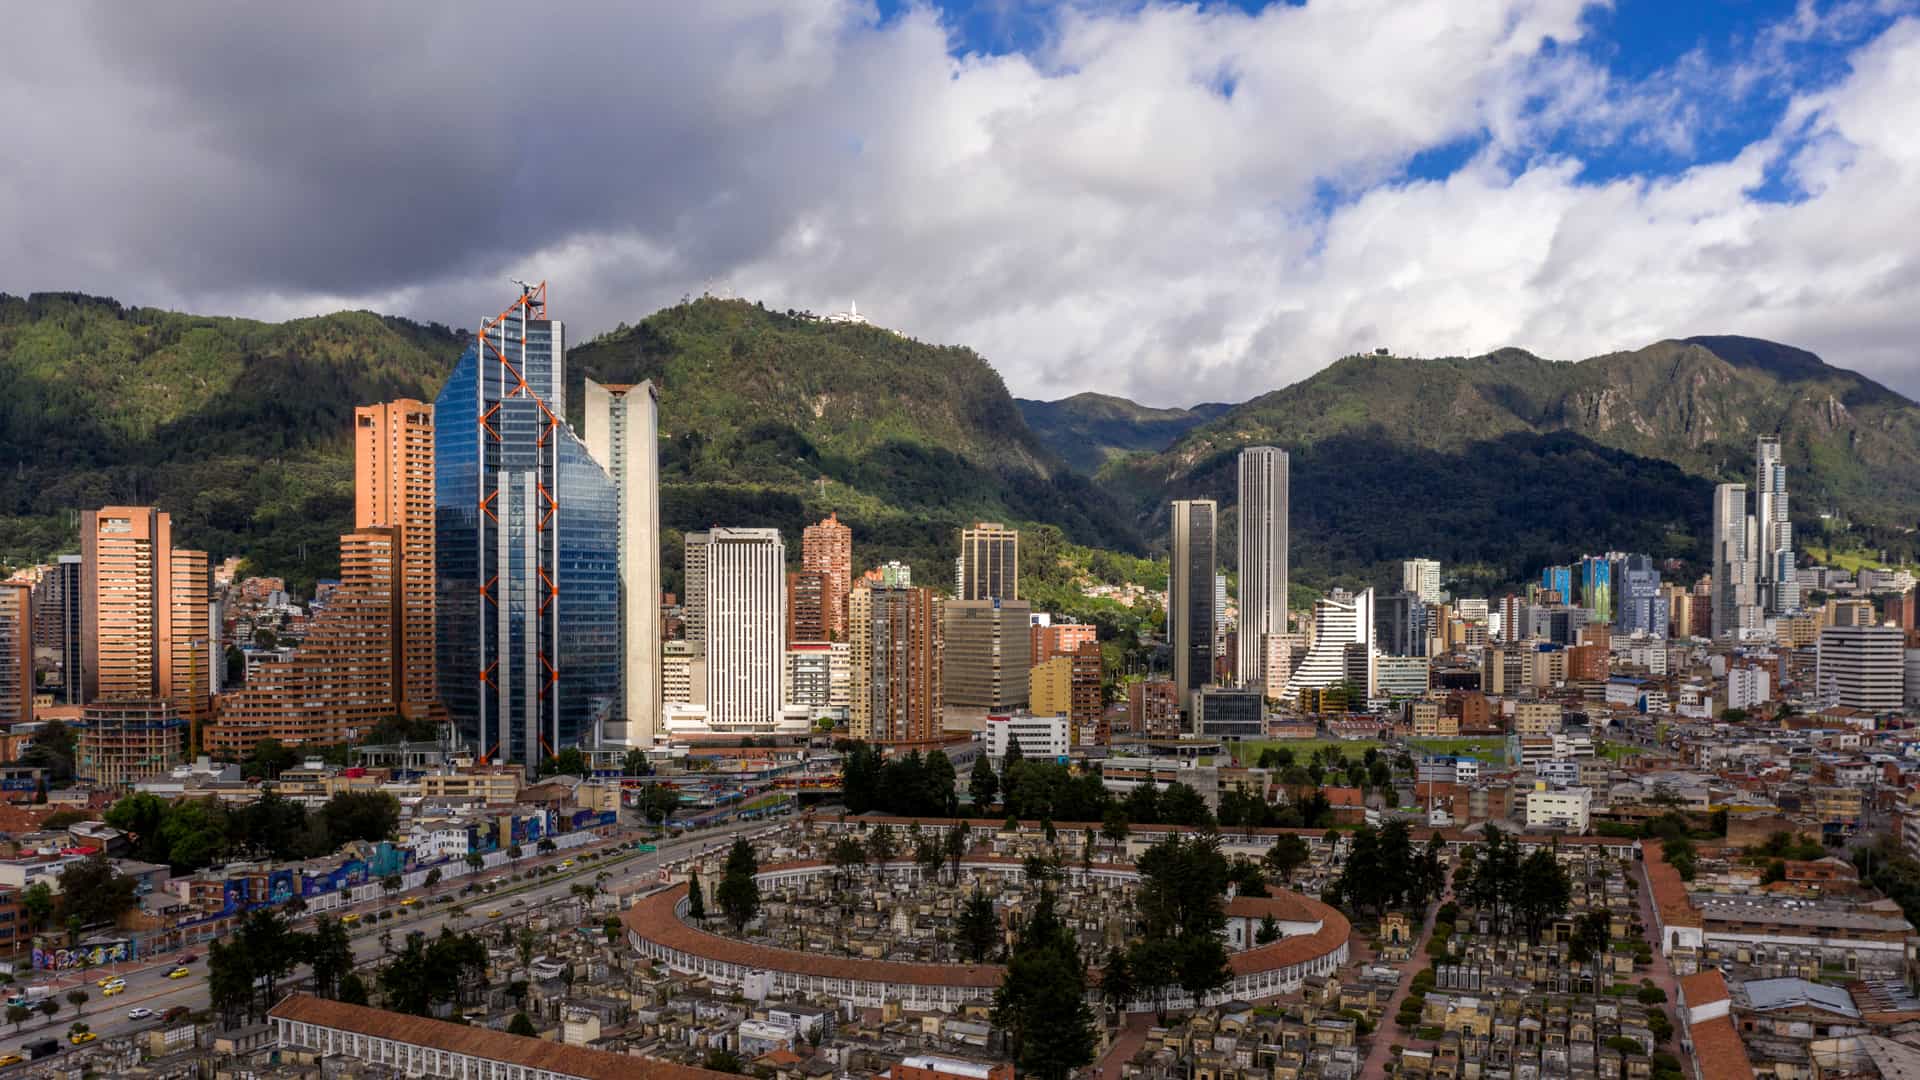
point(1616, 751)
point(1248, 753)
point(1493, 751)
point(1850, 561)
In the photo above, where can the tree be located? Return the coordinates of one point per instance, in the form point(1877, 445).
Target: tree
point(269, 758)
point(658, 802)
point(475, 860)
point(78, 998)
point(353, 990)
point(983, 787)
point(53, 750)
point(17, 1015)
point(979, 927)
point(880, 846)
point(1041, 1003)
point(1182, 805)
point(1544, 891)
point(329, 955)
point(720, 1059)
point(1269, 930)
point(568, 762)
point(49, 1008)
point(846, 854)
point(929, 857)
point(1116, 979)
point(361, 815)
point(739, 894)
point(230, 978)
point(1288, 854)
point(1591, 936)
point(956, 846)
point(522, 1026)
point(36, 902)
point(94, 891)
point(1113, 826)
point(1181, 904)
point(696, 900)
point(546, 845)
point(272, 950)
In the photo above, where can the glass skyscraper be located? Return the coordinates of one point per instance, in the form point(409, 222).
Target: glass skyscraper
point(527, 530)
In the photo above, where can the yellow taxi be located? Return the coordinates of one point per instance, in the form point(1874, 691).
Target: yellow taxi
point(568, 865)
point(79, 1037)
point(115, 988)
point(349, 919)
point(410, 901)
point(494, 914)
point(10, 1059)
point(103, 980)
point(179, 973)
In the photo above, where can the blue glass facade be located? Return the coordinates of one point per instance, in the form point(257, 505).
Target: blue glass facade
point(527, 526)
point(1560, 580)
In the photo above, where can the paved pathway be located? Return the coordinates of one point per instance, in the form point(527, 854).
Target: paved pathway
point(1386, 1034)
point(1131, 1037)
point(1659, 971)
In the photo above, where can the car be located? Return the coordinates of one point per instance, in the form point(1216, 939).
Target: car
point(104, 980)
point(187, 958)
point(139, 1013)
point(178, 1012)
point(179, 973)
point(520, 902)
point(494, 914)
point(112, 990)
point(10, 1059)
point(410, 901)
point(349, 918)
point(79, 1037)
point(567, 865)
point(113, 982)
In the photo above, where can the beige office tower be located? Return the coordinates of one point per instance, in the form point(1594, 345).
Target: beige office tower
point(145, 615)
point(16, 652)
point(989, 563)
point(744, 597)
point(1190, 612)
point(394, 489)
point(986, 653)
point(1263, 557)
point(623, 435)
point(826, 547)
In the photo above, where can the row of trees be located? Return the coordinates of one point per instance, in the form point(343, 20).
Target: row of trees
point(245, 969)
point(1518, 893)
point(1048, 791)
point(192, 834)
point(1383, 870)
point(909, 786)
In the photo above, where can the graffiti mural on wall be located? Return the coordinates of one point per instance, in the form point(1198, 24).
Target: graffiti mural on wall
point(93, 953)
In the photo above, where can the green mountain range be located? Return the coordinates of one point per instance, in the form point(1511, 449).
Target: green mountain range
point(1500, 463)
point(1088, 430)
point(1495, 464)
point(241, 429)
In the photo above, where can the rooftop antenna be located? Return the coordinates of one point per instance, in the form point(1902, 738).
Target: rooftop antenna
point(526, 288)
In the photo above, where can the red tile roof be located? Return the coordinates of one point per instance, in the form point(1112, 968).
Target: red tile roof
point(1669, 892)
point(1718, 1051)
point(1704, 988)
point(483, 1043)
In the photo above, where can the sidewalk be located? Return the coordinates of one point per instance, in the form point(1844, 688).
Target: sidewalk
point(1385, 1036)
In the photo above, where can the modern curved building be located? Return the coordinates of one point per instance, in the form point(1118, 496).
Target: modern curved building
point(1339, 620)
point(527, 530)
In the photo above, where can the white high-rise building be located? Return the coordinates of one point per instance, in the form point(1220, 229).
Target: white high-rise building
point(744, 601)
point(1339, 620)
point(623, 435)
point(1778, 591)
point(1263, 557)
point(1421, 577)
point(1862, 667)
point(1735, 573)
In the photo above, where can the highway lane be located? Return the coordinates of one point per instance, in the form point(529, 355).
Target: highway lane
point(149, 987)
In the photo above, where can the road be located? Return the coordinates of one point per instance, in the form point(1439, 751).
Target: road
point(149, 987)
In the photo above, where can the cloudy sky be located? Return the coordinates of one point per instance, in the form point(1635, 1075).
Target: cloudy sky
point(1175, 202)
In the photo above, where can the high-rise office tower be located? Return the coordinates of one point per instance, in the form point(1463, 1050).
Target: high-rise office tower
point(745, 598)
point(693, 588)
point(1777, 590)
point(989, 563)
point(393, 489)
point(527, 544)
point(897, 654)
point(1400, 624)
point(827, 546)
point(1340, 619)
point(144, 612)
point(1513, 618)
point(1861, 667)
point(1263, 494)
point(1190, 612)
point(807, 607)
point(987, 651)
point(1595, 574)
point(340, 683)
point(1640, 604)
point(1422, 578)
point(56, 624)
point(16, 652)
point(623, 435)
point(1734, 570)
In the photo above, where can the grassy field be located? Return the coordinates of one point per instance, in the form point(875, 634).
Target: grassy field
point(1492, 751)
point(1248, 753)
point(1616, 751)
point(1850, 561)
